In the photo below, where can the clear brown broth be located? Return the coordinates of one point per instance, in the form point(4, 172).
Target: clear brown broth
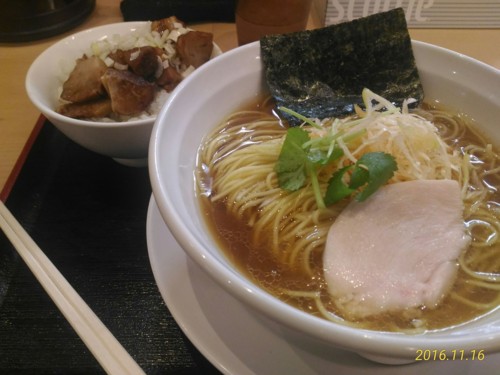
point(258, 264)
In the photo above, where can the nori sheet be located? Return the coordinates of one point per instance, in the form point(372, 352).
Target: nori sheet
point(321, 73)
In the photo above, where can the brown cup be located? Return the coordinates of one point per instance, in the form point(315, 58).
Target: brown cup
point(256, 18)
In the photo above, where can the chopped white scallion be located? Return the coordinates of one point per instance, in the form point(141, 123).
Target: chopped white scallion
point(134, 55)
point(190, 69)
point(119, 66)
point(173, 35)
point(159, 68)
point(109, 61)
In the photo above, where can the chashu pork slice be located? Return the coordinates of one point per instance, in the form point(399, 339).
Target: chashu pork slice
point(195, 48)
point(130, 94)
point(84, 82)
point(396, 250)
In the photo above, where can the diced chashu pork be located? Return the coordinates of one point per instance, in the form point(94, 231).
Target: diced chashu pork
point(397, 250)
point(195, 48)
point(143, 61)
point(168, 23)
point(169, 79)
point(129, 93)
point(84, 82)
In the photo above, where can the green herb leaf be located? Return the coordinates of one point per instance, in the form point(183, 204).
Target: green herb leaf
point(360, 176)
point(301, 157)
point(292, 161)
point(320, 157)
point(373, 169)
point(381, 168)
point(337, 189)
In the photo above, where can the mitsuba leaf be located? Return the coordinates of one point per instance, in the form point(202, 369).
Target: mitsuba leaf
point(381, 168)
point(359, 177)
point(292, 161)
point(296, 163)
point(337, 189)
point(371, 171)
point(317, 157)
point(321, 157)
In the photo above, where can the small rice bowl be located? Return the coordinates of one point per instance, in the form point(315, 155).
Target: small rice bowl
point(142, 36)
point(126, 141)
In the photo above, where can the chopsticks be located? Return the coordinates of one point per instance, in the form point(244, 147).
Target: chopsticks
point(104, 346)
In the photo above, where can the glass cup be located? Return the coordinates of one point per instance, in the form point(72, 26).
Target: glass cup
point(256, 18)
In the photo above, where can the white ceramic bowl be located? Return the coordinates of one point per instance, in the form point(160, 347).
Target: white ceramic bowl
point(190, 113)
point(127, 142)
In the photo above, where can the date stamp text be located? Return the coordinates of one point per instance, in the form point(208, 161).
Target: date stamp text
point(449, 355)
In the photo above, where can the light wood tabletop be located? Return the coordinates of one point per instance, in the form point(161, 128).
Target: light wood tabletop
point(18, 116)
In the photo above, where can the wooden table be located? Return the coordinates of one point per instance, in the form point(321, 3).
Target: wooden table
point(18, 116)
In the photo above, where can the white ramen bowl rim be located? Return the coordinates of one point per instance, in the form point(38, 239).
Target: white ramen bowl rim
point(385, 347)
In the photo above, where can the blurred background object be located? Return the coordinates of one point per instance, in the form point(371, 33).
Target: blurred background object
point(28, 20)
point(187, 10)
point(421, 13)
point(257, 18)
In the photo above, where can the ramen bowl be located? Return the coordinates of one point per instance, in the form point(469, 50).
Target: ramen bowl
point(191, 113)
point(125, 141)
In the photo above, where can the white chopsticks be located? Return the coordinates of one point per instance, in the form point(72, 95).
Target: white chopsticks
point(104, 346)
